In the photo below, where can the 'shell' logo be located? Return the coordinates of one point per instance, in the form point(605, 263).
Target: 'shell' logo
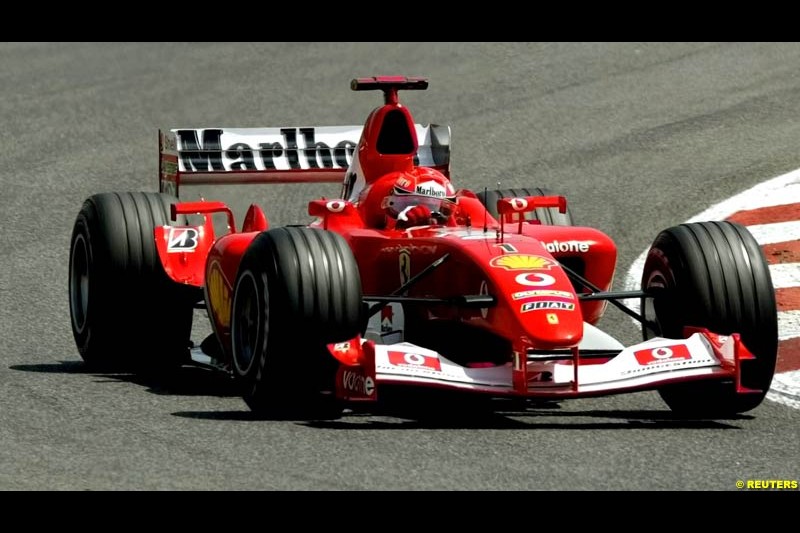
point(521, 262)
point(219, 295)
point(182, 240)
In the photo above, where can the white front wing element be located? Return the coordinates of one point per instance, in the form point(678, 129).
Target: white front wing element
point(595, 338)
point(639, 366)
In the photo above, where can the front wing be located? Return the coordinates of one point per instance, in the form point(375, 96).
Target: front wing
point(648, 365)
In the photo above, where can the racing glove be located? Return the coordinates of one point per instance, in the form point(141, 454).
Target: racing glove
point(418, 215)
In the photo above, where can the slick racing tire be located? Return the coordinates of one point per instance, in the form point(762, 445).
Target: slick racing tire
point(713, 275)
point(124, 309)
point(547, 215)
point(297, 290)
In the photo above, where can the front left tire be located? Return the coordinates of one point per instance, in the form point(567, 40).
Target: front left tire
point(296, 291)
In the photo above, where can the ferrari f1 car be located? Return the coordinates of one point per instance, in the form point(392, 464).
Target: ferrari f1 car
point(504, 301)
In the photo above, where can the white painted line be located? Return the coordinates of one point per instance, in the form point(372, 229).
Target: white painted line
point(788, 324)
point(785, 389)
point(776, 232)
point(633, 279)
point(785, 275)
point(777, 191)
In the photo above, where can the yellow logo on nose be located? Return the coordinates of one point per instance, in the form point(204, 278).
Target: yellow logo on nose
point(521, 262)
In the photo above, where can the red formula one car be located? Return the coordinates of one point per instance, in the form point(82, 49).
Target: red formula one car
point(404, 280)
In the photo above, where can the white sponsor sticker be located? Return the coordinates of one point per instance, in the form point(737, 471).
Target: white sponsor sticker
point(335, 206)
point(431, 188)
point(535, 279)
point(662, 353)
point(357, 383)
point(536, 306)
point(182, 240)
point(544, 292)
point(567, 246)
point(518, 204)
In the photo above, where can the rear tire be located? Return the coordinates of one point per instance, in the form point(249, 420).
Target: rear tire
point(548, 216)
point(297, 290)
point(713, 275)
point(123, 307)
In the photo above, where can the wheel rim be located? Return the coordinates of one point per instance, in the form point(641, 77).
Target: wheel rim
point(246, 323)
point(79, 283)
point(656, 285)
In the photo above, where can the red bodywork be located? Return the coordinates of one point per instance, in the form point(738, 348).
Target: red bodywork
point(507, 265)
point(537, 307)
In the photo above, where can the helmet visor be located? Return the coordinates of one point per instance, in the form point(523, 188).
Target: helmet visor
point(397, 203)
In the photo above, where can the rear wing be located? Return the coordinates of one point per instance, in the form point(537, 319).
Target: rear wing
point(276, 155)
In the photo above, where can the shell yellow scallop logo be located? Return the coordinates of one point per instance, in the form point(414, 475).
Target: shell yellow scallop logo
point(219, 295)
point(521, 262)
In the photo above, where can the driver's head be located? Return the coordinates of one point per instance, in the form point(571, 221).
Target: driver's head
point(421, 186)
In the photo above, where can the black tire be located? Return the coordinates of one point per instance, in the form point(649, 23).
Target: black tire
point(548, 215)
point(297, 290)
point(124, 309)
point(713, 275)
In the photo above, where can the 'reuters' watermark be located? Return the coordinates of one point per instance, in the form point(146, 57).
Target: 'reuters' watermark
point(767, 484)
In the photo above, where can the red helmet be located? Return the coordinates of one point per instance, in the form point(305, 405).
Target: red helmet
point(421, 186)
point(396, 191)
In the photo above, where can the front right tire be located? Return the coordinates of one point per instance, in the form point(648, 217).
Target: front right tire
point(713, 275)
point(549, 216)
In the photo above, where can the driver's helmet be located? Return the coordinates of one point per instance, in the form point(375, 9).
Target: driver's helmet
point(421, 186)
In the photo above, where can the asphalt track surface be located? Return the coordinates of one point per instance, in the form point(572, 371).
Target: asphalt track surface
point(638, 136)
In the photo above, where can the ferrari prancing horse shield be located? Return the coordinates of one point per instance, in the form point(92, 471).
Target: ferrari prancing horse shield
point(405, 266)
